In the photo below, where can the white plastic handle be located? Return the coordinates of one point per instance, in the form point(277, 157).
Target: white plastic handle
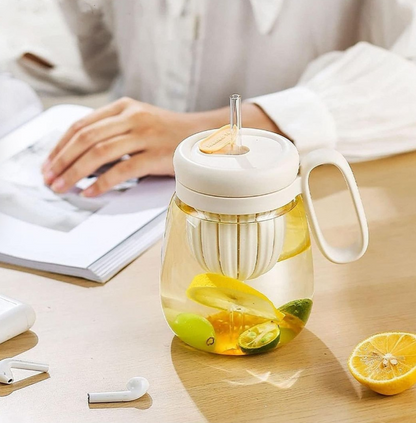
point(332, 157)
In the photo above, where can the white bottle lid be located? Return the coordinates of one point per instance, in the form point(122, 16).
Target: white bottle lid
point(252, 182)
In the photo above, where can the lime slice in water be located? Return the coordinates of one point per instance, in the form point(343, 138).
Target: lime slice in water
point(260, 338)
point(298, 308)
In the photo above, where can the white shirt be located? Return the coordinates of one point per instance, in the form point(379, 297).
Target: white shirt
point(330, 73)
point(18, 103)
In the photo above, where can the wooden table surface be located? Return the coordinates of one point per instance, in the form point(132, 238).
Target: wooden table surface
point(96, 337)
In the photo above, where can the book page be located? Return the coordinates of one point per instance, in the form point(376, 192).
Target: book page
point(24, 196)
point(67, 229)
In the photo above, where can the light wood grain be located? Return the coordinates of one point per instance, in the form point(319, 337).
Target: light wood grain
point(97, 337)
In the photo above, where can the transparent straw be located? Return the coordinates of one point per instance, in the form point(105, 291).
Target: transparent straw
point(235, 117)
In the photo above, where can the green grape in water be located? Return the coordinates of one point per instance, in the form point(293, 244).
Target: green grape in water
point(195, 331)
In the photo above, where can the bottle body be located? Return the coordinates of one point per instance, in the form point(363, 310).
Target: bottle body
point(237, 284)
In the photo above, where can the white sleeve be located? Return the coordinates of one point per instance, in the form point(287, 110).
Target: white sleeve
point(362, 101)
point(90, 22)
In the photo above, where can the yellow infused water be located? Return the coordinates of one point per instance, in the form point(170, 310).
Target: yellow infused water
point(216, 313)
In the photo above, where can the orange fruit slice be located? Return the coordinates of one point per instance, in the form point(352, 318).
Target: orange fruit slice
point(385, 363)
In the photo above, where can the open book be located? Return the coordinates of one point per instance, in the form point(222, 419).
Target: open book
point(92, 238)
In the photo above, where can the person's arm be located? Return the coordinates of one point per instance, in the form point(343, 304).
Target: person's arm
point(362, 101)
point(147, 133)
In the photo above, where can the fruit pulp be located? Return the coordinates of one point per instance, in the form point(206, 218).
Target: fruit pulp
point(226, 310)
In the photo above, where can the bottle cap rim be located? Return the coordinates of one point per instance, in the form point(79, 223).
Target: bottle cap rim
point(270, 165)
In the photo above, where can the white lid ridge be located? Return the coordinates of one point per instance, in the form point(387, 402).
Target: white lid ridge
point(270, 165)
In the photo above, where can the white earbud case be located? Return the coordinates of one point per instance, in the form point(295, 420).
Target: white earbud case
point(15, 318)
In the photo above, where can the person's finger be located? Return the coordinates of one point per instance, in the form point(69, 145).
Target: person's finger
point(100, 154)
point(97, 115)
point(84, 140)
point(137, 166)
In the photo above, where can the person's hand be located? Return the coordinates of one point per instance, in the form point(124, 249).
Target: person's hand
point(147, 133)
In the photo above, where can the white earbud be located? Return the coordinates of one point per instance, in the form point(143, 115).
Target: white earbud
point(136, 388)
point(6, 365)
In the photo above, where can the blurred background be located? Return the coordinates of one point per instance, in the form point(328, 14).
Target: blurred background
point(37, 27)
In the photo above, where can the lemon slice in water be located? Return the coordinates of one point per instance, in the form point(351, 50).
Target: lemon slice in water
point(224, 293)
point(297, 238)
